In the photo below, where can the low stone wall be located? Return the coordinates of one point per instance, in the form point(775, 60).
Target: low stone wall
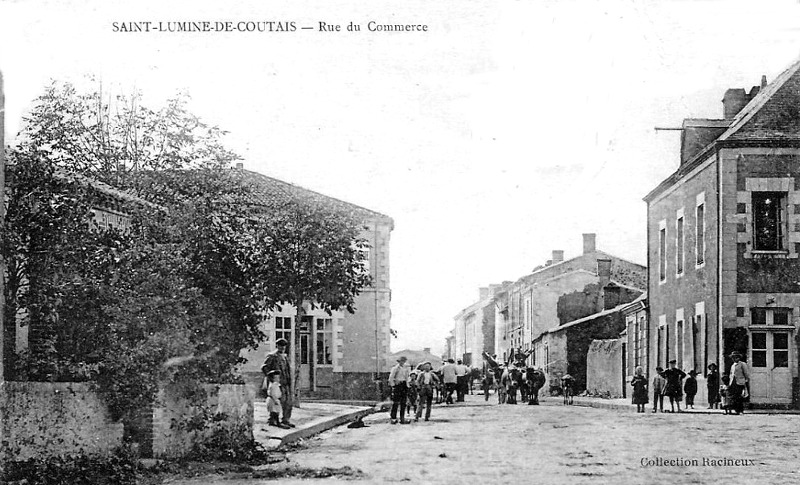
point(179, 424)
point(54, 418)
point(604, 367)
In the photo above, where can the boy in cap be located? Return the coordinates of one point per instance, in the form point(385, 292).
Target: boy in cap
point(659, 383)
point(690, 388)
point(674, 390)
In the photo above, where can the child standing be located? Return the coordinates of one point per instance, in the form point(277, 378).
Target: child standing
point(712, 382)
point(274, 396)
point(659, 383)
point(674, 389)
point(690, 388)
point(639, 384)
point(723, 392)
point(413, 392)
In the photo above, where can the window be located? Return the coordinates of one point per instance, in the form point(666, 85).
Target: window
point(770, 316)
point(679, 341)
point(780, 349)
point(662, 254)
point(759, 349)
point(679, 244)
point(283, 328)
point(700, 242)
point(768, 217)
point(324, 341)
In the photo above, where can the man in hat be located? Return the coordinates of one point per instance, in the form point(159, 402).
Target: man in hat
point(398, 382)
point(279, 361)
point(426, 382)
point(740, 378)
point(448, 371)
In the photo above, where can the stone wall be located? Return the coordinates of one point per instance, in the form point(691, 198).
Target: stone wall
point(604, 367)
point(178, 424)
point(54, 418)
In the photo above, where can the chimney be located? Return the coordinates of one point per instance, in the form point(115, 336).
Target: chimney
point(589, 241)
point(239, 166)
point(734, 100)
point(604, 278)
point(604, 272)
point(427, 350)
point(483, 292)
point(763, 81)
point(558, 256)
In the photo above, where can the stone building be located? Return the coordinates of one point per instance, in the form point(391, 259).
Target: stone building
point(592, 313)
point(529, 306)
point(343, 355)
point(474, 331)
point(724, 241)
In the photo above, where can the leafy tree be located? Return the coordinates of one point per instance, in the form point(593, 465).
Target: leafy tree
point(316, 258)
point(178, 294)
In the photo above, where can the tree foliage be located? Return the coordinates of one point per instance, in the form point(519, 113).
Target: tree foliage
point(177, 294)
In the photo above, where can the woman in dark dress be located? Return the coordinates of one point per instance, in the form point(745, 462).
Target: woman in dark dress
point(674, 390)
point(639, 384)
point(712, 382)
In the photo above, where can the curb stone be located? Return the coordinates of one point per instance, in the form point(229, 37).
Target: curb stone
point(324, 424)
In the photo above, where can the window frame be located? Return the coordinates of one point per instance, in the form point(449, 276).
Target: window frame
point(700, 230)
point(781, 219)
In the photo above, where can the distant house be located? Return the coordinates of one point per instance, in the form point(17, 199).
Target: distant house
point(343, 355)
point(592, 314)
point(724, 242)
point(414, 357)
point(474, 330)
point(529, 306)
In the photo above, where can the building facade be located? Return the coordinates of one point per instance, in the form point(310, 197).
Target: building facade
point(342, 355)
point(474, 330)
point(529, 306)
point(724, 243)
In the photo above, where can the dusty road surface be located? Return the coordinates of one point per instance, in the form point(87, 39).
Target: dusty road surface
point(474, 442)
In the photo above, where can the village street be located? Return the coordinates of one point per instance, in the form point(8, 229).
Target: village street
point(478, 443)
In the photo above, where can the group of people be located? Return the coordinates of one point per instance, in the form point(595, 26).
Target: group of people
point(415, 389)
point(730, 393)
point(511, 378)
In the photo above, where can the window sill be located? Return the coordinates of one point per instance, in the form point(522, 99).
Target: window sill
point(771, 327)
point(769, 252)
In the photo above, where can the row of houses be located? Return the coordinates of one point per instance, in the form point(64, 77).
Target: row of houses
point(722, 274)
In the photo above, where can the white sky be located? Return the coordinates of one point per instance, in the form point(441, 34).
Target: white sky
point(503, 133)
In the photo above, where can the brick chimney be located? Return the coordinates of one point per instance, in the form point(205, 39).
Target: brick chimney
point(589, 243)
point(734, 100)
point(737, 98)
point(483, 292)
point(427, 350)
point(558, 256)
point(239, 166)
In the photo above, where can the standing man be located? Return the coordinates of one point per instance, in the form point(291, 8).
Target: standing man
point(740, 377)
point(448, 371)
point(461, 380)
point(426, 381)
point(279, 361)
point(398, 382)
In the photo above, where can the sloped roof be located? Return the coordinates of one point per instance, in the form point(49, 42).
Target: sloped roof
point(593, 316)
point(773, 115)
point(781, 113)
point(270, 190)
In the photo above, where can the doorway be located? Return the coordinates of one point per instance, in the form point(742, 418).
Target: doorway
point(771, 379)
point(304, 329)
